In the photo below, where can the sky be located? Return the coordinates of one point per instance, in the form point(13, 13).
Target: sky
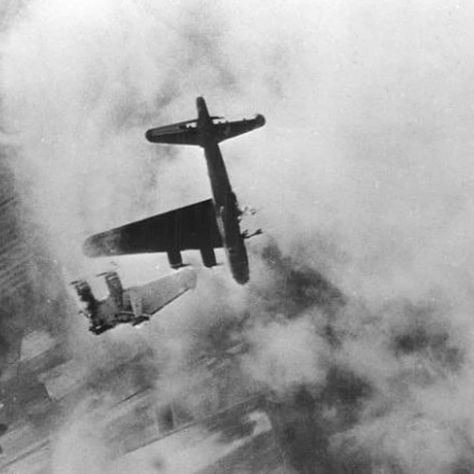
point(362, 173)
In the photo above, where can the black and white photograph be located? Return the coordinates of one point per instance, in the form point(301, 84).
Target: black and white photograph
point(236, 237)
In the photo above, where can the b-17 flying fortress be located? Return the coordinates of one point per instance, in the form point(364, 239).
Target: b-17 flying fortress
point(204, 226)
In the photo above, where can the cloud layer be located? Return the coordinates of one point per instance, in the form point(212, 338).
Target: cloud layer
point(362, 174)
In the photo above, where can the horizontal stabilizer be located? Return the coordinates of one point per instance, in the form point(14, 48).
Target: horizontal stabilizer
point(226, 130)
point(189, 132)
point(182, 135)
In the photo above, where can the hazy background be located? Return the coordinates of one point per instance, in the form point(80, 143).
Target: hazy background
point(363, 172)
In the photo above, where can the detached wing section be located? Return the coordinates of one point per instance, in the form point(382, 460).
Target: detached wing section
point(150, 298)
point(192, 227)
point(226, 130)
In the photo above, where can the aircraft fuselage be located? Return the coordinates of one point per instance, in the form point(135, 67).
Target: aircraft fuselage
point(225, 201)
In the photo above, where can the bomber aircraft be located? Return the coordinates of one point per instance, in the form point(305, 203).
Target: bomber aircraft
point(203, 226)
point(133, 305)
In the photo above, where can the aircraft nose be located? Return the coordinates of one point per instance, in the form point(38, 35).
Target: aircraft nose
point(149, 135)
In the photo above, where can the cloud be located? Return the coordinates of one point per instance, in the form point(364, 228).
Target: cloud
point(286, 355)
point(362, 174)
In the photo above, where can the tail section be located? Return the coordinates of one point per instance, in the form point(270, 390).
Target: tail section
point(203, 113)
point(203, 129)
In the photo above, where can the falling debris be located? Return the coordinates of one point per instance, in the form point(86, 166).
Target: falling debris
point(133, 305)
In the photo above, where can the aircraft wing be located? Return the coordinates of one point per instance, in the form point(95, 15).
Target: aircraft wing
point(150, 298)
point(192, 227)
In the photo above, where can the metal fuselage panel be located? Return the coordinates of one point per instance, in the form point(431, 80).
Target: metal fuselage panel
point(225, 201)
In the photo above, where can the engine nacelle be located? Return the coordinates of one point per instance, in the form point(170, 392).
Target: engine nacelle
point(175, 259)
point(115, 287)
point(208, 256)
point(85, 294)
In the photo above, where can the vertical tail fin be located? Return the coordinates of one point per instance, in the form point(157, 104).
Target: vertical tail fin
point(203, 113)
